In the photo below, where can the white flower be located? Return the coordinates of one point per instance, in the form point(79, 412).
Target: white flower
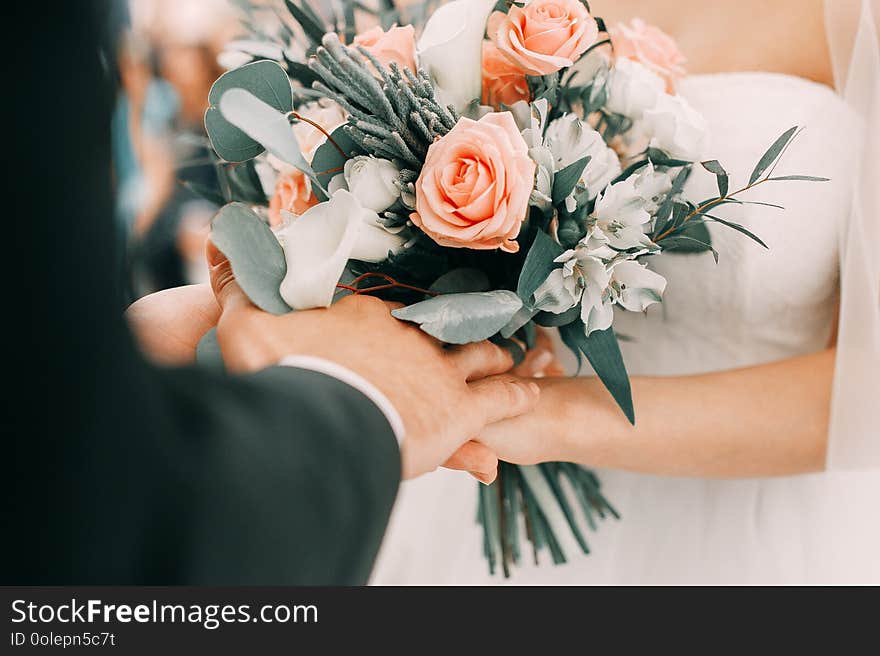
point(319, 243)
point(620, 217)
point(372, 181)
point(570, 139)
point(583, 271)
point(676, 128)
point(559, 293)
point(633, 89)
point(634, 286)
point(542, 193)
point(451, 50)
point(652, 185)
point(597, 311)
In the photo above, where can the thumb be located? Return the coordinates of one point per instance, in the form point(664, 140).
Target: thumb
point(227, 291)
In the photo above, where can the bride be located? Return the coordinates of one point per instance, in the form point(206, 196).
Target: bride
point(753, 407)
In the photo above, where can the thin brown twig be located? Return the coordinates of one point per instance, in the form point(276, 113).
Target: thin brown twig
point(391, 283)
point(321, 129)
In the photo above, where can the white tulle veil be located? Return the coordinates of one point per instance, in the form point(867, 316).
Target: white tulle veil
point(854, 437)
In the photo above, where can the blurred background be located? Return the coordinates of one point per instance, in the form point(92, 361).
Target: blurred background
point(168, 60)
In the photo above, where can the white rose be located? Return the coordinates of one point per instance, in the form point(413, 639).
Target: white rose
point(318, 244)
point(451, 50)
point(676, 128)
point(570, 139)
point(372, 181)
point(632, 89)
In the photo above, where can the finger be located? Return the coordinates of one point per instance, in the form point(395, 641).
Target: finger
point(228, 293)
point(501, 397)
point(170, 323)
point(535, 364)
point(477, 459)
point(481, 359)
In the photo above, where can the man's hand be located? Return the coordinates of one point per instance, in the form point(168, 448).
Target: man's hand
point(445, 396)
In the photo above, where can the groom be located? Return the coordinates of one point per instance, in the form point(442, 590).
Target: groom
point(124, 472)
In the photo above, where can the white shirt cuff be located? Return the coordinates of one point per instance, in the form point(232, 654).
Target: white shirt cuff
point(347, 376)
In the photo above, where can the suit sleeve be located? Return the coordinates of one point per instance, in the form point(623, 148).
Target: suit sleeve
point(126, 473)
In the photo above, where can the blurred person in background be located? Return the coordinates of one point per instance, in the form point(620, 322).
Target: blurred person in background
point(168, 63)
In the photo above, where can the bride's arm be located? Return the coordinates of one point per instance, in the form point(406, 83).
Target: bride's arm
point(766, 420)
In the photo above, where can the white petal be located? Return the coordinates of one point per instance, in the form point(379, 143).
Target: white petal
point(451, 50)
point(317, 246)
point(639, 286)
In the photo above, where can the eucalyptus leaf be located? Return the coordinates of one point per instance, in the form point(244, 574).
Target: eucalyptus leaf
point(463, 318)
point(737, 227)
point(265, 125)
point(659, 158)
point(254, 253)
point(264, 79)
point(520, 319)
point(714, 166)
point(773, 153)
point(327, 161)
point(800, 178)
point(603, 352)
point(565, 180)
point(538, 265)
point(694, 238)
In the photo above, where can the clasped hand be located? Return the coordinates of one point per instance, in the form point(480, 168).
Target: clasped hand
point(445, 396)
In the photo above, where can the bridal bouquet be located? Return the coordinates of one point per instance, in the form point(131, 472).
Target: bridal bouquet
point(502, 167)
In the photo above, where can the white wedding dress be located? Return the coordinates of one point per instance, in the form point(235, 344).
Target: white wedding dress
point(755, 306)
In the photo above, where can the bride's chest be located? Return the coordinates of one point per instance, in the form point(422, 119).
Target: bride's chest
point(760, 303)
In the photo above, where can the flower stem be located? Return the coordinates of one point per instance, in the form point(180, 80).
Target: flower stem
point(321, 129)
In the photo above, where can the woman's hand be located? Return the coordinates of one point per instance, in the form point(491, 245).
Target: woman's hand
point(540, 360)
point(169, 324)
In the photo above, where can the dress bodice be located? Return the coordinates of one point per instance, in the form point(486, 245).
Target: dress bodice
point(756, 304)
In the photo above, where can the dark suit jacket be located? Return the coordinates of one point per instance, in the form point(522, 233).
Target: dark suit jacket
point(121, 472)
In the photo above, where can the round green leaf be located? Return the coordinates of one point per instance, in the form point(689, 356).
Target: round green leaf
point(264, 79)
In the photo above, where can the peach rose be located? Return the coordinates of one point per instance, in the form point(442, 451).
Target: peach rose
point(293, 193)
point(545, 35)
point(503, 82)
point(473, 191)
point(651, 47)
point(398, 44)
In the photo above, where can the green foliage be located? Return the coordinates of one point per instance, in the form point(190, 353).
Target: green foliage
point(264, 79)
point(254, 253)
point(396, 117)
point(603, 352)
point(327, 161)
point(461, 280)
point(463, 318)
point(566, 179)
point(538, 265)
point(773, 153)
point(714, 166)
